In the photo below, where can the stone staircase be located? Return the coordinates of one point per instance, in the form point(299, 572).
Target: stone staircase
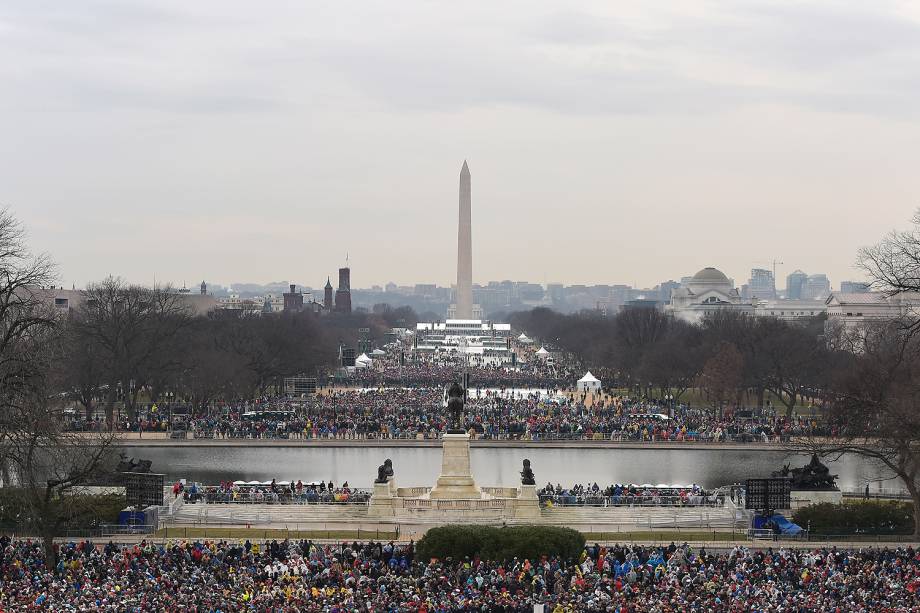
point(586, 518)
point(226, 514)
point(639, 518)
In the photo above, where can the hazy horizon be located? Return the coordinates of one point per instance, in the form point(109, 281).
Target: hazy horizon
point(608, 144)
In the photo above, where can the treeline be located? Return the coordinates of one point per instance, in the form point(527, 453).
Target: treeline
point(726, 355)
point(125, 344)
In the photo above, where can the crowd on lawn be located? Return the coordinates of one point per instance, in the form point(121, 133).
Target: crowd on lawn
point(628, 495)
point(299, 576)
point(434, 371)
point(403, 413)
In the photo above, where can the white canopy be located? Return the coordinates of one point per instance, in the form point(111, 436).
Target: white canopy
point(378, 352)
point(523, 338)
point(589, 383)
point(542, 351)
point(363, 358)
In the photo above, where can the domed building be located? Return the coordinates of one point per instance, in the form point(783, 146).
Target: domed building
point(707, 290)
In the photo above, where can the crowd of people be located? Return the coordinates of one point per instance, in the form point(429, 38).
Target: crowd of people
point(535, 415)
point(534, 401)
point(270, 492)
point(628, 495)
point(435, 370)
point(297, 576)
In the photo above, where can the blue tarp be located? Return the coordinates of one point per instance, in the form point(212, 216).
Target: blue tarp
point(785, 526)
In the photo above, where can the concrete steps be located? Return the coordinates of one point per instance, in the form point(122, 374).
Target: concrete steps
point(580, 517)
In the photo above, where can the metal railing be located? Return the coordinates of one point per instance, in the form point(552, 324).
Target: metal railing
point(632, 501)
point(356, 496)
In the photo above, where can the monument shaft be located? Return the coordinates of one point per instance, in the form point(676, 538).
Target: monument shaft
point(464, 299)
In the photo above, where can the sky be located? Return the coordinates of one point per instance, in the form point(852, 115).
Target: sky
point(608, 142)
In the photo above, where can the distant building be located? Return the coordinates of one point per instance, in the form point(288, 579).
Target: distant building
point(854, 287)
point(343, 293)
point(850, 310)
point(789, 310)
point(293, 300)
point(452, 311)
point(327, 296)
point(762, 285)
point(204, 289)
point(817, 287)
point(642, 303)
point(795, 285)
point(486, 343)
point(708, 290)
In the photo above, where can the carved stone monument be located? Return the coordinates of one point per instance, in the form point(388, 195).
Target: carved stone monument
point(811, 484)
point(528, 504)
point(456, 479)
point(381, 504)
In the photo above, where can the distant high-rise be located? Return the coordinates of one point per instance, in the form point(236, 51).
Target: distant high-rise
point(817, 287)
point(204, 288)
point(464, 298)
point(343, 293)
point(762, 285)
point(795, 285)
point(854, 287)
point(327, 295)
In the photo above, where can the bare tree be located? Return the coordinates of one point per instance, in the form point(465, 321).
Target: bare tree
point(49, 464)
point(722, 375)
point(134, 329)
point(893, 264)
point(874, 407)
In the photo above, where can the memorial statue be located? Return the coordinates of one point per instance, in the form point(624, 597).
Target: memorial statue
point(455, 408)
point(527, 477)
point(384, 471)
point(812, 476)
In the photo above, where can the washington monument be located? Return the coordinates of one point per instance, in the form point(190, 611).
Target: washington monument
point(464, 299)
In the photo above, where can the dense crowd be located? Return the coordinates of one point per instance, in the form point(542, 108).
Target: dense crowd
point(547, 414)
point(403, 413)
point(270, 492)
point(301, 576)
point(628, 495)
point(436, 370)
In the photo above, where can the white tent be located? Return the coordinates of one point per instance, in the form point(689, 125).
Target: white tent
point(589, 383)
point(377, 352)
point(362, 361)
point(542, 352)
point(524, 339)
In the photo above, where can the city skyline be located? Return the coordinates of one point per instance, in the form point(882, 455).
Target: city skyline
point(610, 143)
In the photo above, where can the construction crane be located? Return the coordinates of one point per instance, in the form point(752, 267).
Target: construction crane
point(773, 263)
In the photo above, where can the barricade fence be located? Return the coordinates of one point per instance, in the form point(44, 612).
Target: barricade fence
point(632, 501)
point(505, 436)
point(355, 496)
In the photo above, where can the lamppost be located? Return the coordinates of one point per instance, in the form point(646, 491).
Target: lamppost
point(670, 400)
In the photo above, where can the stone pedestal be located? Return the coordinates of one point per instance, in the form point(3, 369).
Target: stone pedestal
point(381, 504)
point(804, 498)
point(528, 503)
point(456, 480)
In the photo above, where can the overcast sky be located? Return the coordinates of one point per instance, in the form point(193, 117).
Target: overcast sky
point(260, 141)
